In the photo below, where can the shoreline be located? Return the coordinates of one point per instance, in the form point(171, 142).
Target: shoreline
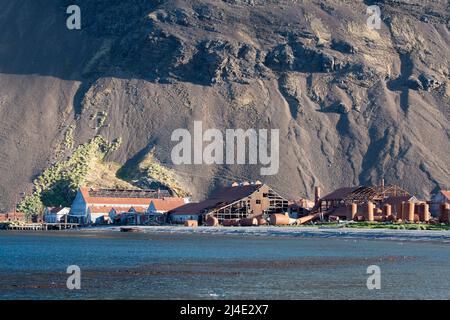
point(301, 232)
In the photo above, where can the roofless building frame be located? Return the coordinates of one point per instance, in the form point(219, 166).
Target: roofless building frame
point(263, 201)
point(239, 201)
point(360, 195)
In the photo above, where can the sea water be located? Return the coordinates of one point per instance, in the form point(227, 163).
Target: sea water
point(117, 265)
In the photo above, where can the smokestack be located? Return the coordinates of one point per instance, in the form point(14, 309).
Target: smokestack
point(316, 195)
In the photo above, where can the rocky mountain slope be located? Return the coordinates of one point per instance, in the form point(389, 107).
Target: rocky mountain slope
point(353, 105)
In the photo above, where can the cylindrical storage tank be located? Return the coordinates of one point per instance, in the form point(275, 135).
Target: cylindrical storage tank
point(348, 213)
point(419, 211)
point(410, 211)
point(279, 219)
point(398, 210)
point(387, 211)
point(212, 221)
point(369, 212)
point(248, 222)
point(425, 212)
point(402, 214)
point(191, 223)
point(354, 210)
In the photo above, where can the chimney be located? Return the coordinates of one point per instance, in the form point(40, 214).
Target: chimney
point(316, 195)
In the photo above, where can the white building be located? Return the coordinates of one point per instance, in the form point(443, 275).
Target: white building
point(55, 214)
point(90, 204)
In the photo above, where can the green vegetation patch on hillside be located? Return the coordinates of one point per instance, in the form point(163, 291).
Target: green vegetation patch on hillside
point(68, 137)
point(58, 184)
point(149, 167)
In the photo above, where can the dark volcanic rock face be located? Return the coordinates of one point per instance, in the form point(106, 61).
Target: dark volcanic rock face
point(353, 105)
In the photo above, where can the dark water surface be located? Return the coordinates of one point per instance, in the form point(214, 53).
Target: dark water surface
point(118, 265)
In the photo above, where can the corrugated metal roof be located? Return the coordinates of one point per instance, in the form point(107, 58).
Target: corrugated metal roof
point(340, 193)
point(194, 208)
point(218, 199)
point(92, 197)
point(232, 194)
point(100, 209)
point(167, 204)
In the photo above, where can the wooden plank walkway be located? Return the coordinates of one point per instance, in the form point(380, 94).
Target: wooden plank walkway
point(43, 226)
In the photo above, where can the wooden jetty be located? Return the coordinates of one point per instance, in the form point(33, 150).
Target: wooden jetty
point(43, 226)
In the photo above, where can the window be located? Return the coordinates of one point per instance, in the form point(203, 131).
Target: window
point(265, 195)
point(258, 201)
